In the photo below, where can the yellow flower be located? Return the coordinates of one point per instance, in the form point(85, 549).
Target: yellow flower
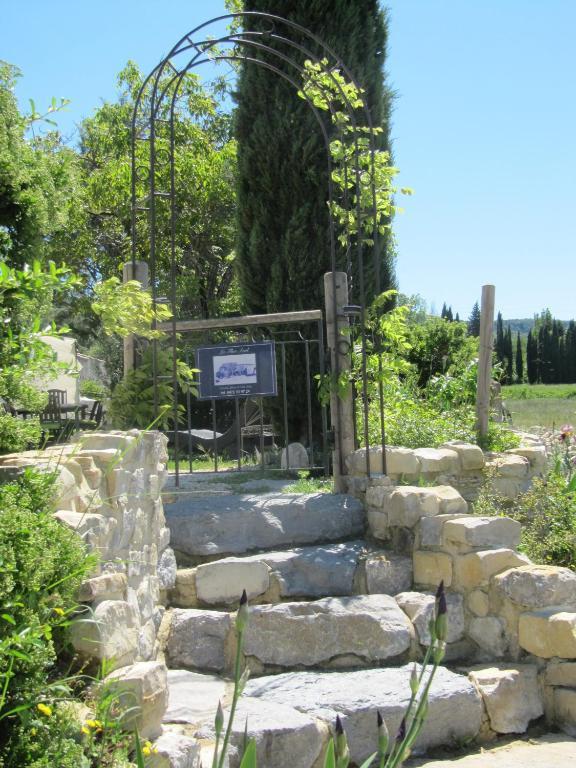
point(148, 749)
point(59, 611)
point(45, 709)
point(86, 730)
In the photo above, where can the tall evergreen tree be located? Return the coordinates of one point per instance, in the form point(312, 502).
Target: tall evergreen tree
point(500, 345)
point(532, 358)
point(283, 241)
point(509, 356)
point(444, 313)
point(474, 321)
point(449, 315)
point(519, 360)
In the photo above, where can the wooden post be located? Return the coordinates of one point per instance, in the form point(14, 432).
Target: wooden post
point(139, 272)
point(485, 359)
point(341, 407)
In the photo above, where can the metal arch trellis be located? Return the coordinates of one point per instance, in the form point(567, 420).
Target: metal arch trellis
point(243, 43)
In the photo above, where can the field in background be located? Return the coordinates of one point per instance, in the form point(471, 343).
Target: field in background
point(543, 405)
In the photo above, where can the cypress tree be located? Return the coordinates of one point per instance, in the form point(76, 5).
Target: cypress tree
point(519, 360)
point(532, 358)
point(499, 347)
point(509, 356)
point(444, 313)
point(474, 321)
point(457, 318)
point(449, 315)
point(283, 221)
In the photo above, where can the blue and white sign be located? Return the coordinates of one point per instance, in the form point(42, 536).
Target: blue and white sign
point(237, 370)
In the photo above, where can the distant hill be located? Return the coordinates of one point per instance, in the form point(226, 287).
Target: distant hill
point(522, 325)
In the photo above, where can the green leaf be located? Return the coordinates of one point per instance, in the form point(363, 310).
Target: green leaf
point(249, 758)
point(368, 762)
point(330, 757)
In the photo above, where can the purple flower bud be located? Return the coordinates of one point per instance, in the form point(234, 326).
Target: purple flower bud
point(339, 728)
point(401, 735)
point(242, 614)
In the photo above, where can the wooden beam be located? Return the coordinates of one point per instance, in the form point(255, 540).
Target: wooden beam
point(244, 320)
point(485, 361)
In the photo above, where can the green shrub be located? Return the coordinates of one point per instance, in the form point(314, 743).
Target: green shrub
point(42, 564)
point(94, 389)
point(18, 434)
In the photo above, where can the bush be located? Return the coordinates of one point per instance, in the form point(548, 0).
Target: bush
point(94, 389)
point(42, 564)
point(18, 434)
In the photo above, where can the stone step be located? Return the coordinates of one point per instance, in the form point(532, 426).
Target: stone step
point(333, 633)
point(292, 714)
point(306, 572)
point(201, 528)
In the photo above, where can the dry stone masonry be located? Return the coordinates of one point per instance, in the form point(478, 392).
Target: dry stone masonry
point(341, 589)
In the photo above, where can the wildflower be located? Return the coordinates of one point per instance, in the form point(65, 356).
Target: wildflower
point(441, 608)
point(383, 737)
point(219, 719)
point(44, 708)
point(85, 730)
point(148, 749)
point(59, 611)
point(566, 432)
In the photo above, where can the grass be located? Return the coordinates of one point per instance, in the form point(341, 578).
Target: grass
point(538, 391)
point(543, 405)
point(309, 485)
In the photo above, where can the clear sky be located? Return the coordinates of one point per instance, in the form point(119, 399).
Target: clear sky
point(484, 127)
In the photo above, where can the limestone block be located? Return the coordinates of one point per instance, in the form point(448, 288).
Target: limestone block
point(236, 524)
point(536, 455)
point(508, 487)
point(95, 529)
point(294, 456)
point(175, 750)
point(369, 628)
point(489, 634)
point(377, 495)
point(378, 523)
point(388, 573)
point(436, 460)
point(199, 639)
point(163, 538)
point(109, 586)
point(565, 709)
point(562, 673)
point(321, 571)
point(537, 586)
point(67, 488)
point(430, 568)
point(167, 569)
point(454, 705)
point(511, 696)
point(145, 686)
point(478, 603)
point(470, 456)
point(430, 529)
point(399, 461)
point(508, 465)
point(224, 580)
point(408, 504)
point(194, 697)
point(111, 633)
point(183, 595)
point(482, 532)
point(98, 441)
point(420, 609)
point(147, 640)
point(548, 632)
point(279, 731)
point(476, 568)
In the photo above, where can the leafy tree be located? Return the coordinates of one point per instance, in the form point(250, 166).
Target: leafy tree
point(37, 179)
point(283, 240)
point(98, 239)
point(474, 321)
point(438, 346)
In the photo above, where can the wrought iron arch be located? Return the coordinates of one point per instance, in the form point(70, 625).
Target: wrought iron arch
point(207, 50)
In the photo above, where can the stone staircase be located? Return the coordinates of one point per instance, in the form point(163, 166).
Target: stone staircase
point(333, 618)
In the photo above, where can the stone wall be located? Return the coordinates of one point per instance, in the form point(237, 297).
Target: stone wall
point(502, 608)
point(462, 465)
point(109, 488)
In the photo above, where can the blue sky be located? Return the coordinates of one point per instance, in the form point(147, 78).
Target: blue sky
point(484, 127)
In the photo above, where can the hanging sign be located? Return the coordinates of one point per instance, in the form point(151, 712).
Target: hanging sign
point(237, 370)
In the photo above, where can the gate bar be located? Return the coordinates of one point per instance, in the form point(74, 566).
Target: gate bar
point(235, 322)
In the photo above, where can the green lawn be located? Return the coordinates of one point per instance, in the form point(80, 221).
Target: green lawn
point(544, 405)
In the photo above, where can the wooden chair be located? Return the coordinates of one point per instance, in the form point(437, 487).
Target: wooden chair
point(94, 418)
point(57, 396)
